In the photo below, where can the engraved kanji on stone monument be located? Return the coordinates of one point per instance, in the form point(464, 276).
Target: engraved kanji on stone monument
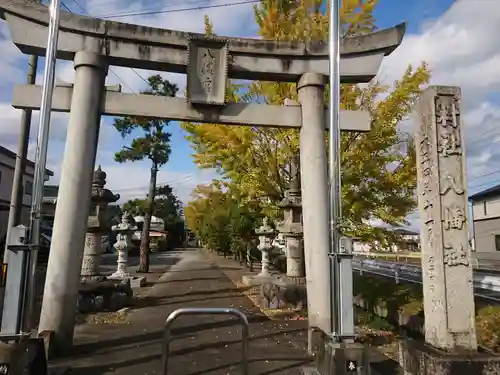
point(442, 200)
point(454, 217)
point(207, 70)
point(447, 113)
point(451, 183)
point(455, 256)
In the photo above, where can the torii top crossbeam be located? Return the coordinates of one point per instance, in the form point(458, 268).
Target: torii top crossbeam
point(157, 49)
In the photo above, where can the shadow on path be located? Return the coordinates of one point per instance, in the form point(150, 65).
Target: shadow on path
point(201, 344)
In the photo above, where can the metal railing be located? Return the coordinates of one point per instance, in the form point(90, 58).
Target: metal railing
point(482, 263)
point(486, 285)
point(207, 311)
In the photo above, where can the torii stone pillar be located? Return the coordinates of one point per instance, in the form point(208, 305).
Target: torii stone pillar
point(73, 202)
point(314, 181)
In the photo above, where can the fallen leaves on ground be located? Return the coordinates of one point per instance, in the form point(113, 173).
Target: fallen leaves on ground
point(114, 317)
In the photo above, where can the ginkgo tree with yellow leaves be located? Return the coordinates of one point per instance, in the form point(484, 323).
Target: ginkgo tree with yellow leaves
point(378, 167)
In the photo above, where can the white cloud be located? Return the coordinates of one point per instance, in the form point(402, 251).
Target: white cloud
point(461, 51)
point(226, 19)
point(10, 70)
point(11, 122)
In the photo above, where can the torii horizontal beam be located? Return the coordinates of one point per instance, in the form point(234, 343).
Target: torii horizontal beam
point(121, 104)
point(166, 50)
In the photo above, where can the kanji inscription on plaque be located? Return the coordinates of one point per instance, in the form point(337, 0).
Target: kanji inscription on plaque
point(207, 70)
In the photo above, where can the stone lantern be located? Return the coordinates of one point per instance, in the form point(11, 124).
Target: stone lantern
point(291, 227)
point(266, 235)
point(96, 225)
point(124, 232)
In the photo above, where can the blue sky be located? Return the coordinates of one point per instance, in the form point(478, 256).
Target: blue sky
point(459, 50)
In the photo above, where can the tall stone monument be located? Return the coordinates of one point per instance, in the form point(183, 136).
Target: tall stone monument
point(97, 223)
point(442, 201)
point(450, 335)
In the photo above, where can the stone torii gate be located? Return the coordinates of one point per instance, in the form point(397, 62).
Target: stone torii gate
point(95, 44)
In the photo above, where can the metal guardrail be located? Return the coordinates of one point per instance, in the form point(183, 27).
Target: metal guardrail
point(207, 311)
point(485, 264)
point(486, 285)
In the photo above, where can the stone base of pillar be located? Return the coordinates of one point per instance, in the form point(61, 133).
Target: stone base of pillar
point(335, 358)
point(94, 278)
point(118, 275)
point(21, 357)
point(284, 292)
point(108, 295)
point(135, 281)
point(255, 280)
point(419, 358)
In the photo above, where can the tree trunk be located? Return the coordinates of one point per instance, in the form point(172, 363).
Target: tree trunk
point(144, 249)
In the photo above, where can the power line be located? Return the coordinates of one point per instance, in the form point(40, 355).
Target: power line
point(156, 8)
point(175, 181)
point(485, 136)
point(111, 71)
point(180, 10)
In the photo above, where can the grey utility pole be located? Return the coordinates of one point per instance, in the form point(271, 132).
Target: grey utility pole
point(341, 355)
point(16, 338)
point(334, 164)
point(16, 198)
point(42, 145)
point(341, 278)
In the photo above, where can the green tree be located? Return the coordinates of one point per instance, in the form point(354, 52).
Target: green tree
point(242, 223)
point(168, 208)
point(208, 217)
point(221, 221)
point(153, 143)
point(135, 206)
point(378, 167)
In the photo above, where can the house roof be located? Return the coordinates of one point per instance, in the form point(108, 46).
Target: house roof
point(405, 232)
point(13, 155)
point(50, 191)
point(488, 193)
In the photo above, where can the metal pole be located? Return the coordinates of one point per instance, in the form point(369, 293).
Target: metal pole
point(43, 140)
point(334, 162)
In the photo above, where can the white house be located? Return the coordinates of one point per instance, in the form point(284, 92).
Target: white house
point(156, 224)
point(7, 165)
point(408, 241)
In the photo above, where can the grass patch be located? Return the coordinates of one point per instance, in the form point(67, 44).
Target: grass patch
point(382, 297)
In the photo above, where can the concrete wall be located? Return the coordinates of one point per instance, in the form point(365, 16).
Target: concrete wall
point(7, 163)
point(484, 234)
